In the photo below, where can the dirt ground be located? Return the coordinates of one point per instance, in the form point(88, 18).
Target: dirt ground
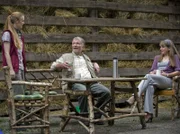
point(131, 125)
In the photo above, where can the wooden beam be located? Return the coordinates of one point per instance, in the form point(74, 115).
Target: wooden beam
point(100, 38)
point(119, 6)
point(95, 56)
point(124, 72)
point(105, 72)
point(96, 22)
point(101, 22)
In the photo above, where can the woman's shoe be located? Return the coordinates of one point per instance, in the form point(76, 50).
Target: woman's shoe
point(130, 101)
point(126, 103)
point(148, 118)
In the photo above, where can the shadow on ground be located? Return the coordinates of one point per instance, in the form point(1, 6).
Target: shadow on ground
point(131, 125)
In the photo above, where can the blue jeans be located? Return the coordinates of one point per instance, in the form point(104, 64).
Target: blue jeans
point(147, 87)
point(97, 90)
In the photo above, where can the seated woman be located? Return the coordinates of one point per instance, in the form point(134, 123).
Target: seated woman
point(169, 65)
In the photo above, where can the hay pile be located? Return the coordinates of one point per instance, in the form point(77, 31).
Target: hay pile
point(79, 12)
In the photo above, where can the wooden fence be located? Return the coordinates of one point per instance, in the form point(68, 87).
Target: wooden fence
point(94, 21)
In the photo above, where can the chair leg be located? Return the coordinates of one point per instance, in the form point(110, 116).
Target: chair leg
point(12, 115)
point(46, 115)
point(13, 131)
point(63, 123)
point(178, 111)
point(65, 120)
point(91, 115)
point(142, 102)
point(178, 106)
point(173, 100)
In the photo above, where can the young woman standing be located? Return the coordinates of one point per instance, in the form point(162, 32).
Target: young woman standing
point(164, 67)
point(13, 53)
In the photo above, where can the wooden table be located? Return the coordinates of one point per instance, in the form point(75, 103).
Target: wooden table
point(111, 115)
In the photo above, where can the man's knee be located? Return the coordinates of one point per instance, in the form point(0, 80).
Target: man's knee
point(107, 93)
point(79, 87)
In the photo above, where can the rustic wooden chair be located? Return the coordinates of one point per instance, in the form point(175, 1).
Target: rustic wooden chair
point(175, 97)
point(45, 75)
point(55, 94)
point(28, 111)
point(72, 112)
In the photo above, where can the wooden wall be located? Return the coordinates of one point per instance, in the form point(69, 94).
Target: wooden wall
point(94, 21)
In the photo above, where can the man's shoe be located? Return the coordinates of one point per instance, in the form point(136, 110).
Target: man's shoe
point(121, 105)
point(84, 122)
point(131, 100)
point(99, 123)
point(126, 103)
point(98, 116)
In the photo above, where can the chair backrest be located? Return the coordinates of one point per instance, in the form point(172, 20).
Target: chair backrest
point(8, 80)
point(45, 75)
point(35, 90)
point(26, 108)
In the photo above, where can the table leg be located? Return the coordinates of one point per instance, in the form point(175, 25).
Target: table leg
point(91, 112)
point(112, 103)
point(142, 118)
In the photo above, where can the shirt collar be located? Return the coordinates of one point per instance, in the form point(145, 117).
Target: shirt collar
point(77, 55)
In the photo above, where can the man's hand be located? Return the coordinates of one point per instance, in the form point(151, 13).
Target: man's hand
point(63, 65)
point(96, 67)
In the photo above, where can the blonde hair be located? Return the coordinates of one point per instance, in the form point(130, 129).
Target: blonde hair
point(169, 44)
point(11, 19)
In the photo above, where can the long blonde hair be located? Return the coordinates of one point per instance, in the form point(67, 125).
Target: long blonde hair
point(11, 19)
point(172, 49)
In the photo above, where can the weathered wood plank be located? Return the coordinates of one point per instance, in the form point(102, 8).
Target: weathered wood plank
point(105, 72)
point(95, 22)
point(102, 22)
point(100, 38)
point(124, 72)
point(95, 56)
point(93, 4)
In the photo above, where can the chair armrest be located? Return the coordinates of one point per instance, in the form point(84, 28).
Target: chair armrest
point(176, 85)
point(39, 70)
point(43, 84)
